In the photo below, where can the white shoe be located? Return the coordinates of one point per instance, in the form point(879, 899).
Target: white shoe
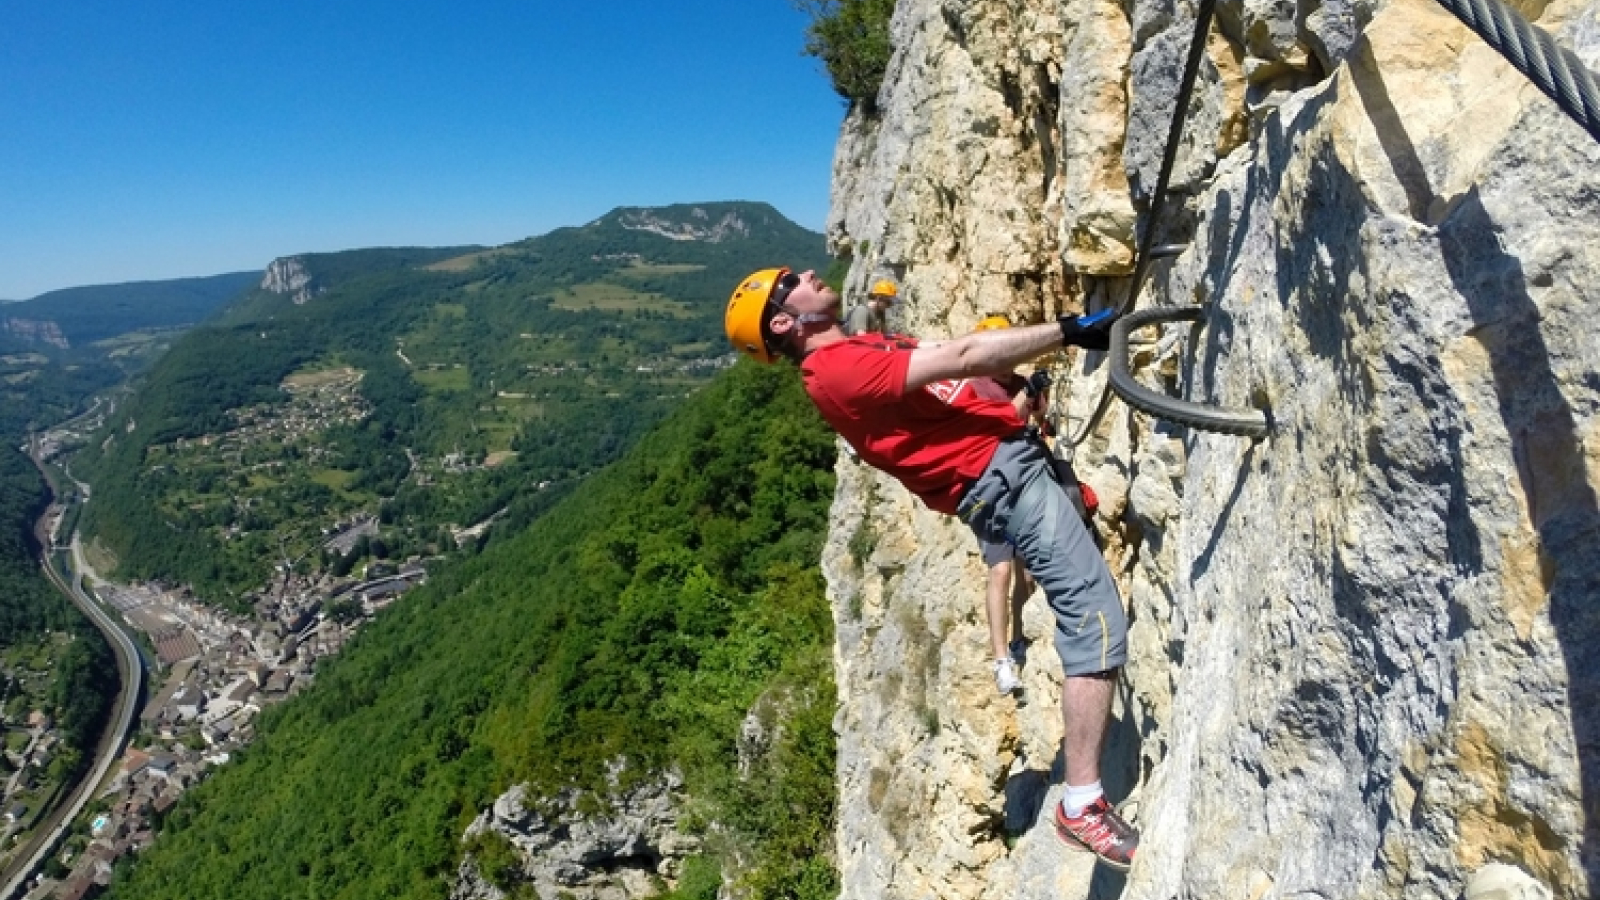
point(1005, 677)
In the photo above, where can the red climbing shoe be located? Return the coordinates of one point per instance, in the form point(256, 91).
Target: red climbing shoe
point(1100, 830)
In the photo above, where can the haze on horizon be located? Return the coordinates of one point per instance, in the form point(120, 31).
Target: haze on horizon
point(169, 139)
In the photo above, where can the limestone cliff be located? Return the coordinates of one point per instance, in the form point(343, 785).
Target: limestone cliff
point(628, 851)
point(1365, 654)
point(288, 275)
point(698, 225)
point(34, 331)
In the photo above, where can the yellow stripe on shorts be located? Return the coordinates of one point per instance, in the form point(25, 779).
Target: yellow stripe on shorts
point(1105, 640)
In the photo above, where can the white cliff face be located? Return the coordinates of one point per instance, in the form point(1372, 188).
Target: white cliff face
point(700, 225)
point(288, 275)
point(40, 331)
point(1363, 658)
point(627, 852)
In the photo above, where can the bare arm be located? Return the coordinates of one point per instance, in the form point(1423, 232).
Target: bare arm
point(985, 353)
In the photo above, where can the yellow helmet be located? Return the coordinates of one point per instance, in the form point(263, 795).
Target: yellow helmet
point(990, 323)
point(883, 288)
point(746, 319)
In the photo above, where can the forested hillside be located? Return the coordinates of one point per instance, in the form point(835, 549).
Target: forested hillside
point(636, 623)
point(479, 384)
point(97, 312)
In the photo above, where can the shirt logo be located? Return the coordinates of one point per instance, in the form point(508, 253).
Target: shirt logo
point(946, 391)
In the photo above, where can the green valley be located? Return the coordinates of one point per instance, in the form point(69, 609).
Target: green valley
point(434, 390)
point(606, 529)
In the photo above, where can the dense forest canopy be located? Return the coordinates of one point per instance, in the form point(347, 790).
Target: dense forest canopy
point(28, 606)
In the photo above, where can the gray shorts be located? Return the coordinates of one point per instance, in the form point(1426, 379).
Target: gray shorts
point(1017, 501)
point(996, 552)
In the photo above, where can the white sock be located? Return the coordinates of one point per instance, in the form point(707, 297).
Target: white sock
point(1074, 799)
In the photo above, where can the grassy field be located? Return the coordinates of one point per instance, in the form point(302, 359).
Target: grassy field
point(136, 343)
point(99, 558)
point(616, 298)
point(497, 434)
point(648, 269)
point(436, 381)
point(334, 479)
point(463, 263)
point(317, 376)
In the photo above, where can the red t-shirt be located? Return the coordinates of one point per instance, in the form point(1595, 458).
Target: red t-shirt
point(935, 440)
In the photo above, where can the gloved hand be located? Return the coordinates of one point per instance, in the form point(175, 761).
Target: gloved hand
point(1038, 383)
point(1092, 332)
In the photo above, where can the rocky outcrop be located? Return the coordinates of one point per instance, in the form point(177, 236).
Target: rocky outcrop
point(630, 850)
point(288, 275)
point(37, 331)
point(1364, 656)
point(699, 226)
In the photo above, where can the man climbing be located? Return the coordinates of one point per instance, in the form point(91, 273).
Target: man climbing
point(869, 316)
point(910, 411)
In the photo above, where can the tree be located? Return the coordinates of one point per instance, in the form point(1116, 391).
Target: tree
point(851, 37)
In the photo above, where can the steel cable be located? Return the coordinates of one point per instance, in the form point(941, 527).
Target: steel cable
point(1552, 68)
point(1158, 203)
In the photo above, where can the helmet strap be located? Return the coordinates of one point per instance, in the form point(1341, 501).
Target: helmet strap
point(789, 342)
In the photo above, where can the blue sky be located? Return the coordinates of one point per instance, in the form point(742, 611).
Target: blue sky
point(163, 139)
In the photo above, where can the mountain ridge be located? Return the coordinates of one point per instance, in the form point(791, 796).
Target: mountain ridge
point(80, 315)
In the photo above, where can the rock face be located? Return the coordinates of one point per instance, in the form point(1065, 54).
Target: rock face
point(628, 852)
point(43, 332)
point(288, 275)
point(1364, 653)
point(699, 226)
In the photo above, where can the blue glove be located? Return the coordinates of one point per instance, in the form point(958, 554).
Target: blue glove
point(1092, 332)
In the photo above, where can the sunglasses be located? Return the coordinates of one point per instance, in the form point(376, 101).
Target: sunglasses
point(783, 288)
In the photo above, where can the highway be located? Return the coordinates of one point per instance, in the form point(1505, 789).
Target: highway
point(131, 675)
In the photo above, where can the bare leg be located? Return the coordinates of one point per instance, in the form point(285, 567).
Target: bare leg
point(994, 602)
point(1086, 717)
point(1021, 589)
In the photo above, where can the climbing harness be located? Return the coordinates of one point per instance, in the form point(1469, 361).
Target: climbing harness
point(1555, 70)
